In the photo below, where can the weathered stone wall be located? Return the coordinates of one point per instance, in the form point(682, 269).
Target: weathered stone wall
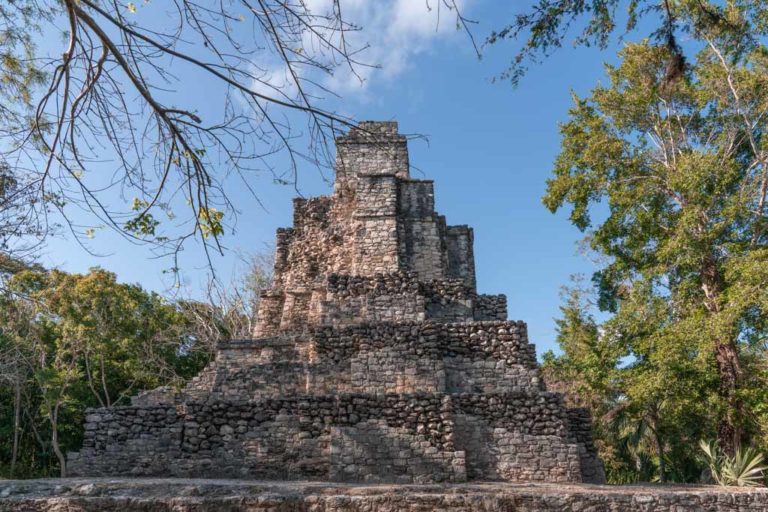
point(378, 221)
point(525, 437)
point(460, 241)
point(403, 297)
point(374, 452)
point(490, 307)
point(129, 440)
point(470, 375)
point(284, 438)
point(481, 357)
point(516, 456)
point(372, 148)
point(396, 370)
point(580, 429)
point(375, 247)
point(507, 341)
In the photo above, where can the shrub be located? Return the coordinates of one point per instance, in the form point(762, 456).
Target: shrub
point(743, 469)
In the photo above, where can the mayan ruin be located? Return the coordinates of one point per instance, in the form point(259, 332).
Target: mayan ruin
point(374, 360)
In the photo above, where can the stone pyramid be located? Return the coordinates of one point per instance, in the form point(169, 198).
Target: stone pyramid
point(374, 359)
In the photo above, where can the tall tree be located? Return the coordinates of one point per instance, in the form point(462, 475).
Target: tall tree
point(646, 380)
point(680, 166)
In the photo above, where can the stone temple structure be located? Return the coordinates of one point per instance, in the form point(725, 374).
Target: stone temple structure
point(374, 359)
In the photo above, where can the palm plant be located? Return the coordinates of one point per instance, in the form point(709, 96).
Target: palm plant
point(743, 469)
point(636, 436)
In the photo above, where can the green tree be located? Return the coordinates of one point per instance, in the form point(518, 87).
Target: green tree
point(71, 341)
point(677, 169)
point(648, 390)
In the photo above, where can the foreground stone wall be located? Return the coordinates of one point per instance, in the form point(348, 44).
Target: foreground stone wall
point(170, 495)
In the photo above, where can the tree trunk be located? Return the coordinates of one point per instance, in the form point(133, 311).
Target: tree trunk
point(16, 425)
point(662, 463)
point(727, 362)
point(659, 447)
point(55, 442)
point(729, 428)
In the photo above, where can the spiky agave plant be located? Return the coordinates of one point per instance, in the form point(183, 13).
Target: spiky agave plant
point(744, 469)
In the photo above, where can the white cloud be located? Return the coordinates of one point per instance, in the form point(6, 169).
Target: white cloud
point(394, 32)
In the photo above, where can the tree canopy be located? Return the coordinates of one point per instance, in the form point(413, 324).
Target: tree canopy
point(668, 178)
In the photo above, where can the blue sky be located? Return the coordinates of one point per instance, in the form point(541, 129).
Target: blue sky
point(491, 148)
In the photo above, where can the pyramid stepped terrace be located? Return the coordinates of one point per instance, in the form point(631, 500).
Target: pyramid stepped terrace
point(374, 359)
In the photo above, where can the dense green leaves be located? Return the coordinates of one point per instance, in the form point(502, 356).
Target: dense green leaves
point(668, 178)
point(71, 341)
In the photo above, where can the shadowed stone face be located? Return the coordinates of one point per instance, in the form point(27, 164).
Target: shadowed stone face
point(374, 359)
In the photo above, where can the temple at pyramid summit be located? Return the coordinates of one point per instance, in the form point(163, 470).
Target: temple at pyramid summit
point(374, 359)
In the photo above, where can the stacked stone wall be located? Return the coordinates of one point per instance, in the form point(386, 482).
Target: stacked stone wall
point(129, 440)
point(481, 357)
point(374, 452)
point(516, 457)
point(403, 297)
point(373, 148)
point(424, 249)
point(292, 438)
point(286, 438)
point(459, 242)
point(391, 370)
point(505, 341)
point(580, 429)
point(468, 375)
point(490, 307)
point(377, 221)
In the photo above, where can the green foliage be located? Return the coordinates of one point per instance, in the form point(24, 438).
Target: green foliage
point(19, 74)
point(71, 341)
point(209, 220)
point(668, 179)
point(143, 225)
point(644, 393)
point(744, 469)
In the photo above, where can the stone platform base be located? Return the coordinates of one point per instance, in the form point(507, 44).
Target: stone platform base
point(198, 495)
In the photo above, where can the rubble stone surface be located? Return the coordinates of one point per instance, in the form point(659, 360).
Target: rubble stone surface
point(374, 360)
point(197, 495)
